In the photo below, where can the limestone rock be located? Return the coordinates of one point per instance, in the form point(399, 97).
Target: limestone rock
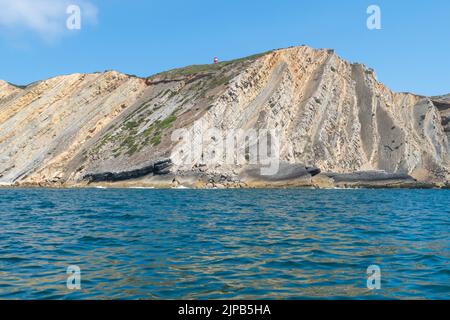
point(330, 114)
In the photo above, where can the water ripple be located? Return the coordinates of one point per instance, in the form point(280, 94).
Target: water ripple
point(224, 244)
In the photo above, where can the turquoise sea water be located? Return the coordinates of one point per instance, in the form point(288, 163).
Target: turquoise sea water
point(224, 244)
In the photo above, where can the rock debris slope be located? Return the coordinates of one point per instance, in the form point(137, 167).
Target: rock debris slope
point(339, 126)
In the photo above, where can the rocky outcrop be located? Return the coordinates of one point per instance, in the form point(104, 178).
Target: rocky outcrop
point(286, 172)
point(443, 105)
point(7, 90)
point(160, 167)
point(330, 115)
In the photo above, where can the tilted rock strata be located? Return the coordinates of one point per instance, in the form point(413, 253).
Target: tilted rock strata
point(443, 105)
point(330, 114)
point(45, 125)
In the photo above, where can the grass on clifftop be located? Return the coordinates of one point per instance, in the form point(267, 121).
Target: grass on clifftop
point(199, 68)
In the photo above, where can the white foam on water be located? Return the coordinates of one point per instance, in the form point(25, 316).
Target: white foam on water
point(141, 188)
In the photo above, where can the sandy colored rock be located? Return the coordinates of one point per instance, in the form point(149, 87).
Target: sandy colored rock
point(330, 114)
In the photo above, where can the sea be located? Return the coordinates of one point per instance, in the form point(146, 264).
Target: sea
point(224, 244)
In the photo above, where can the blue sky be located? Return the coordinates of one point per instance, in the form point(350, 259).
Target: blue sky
point(410, 53)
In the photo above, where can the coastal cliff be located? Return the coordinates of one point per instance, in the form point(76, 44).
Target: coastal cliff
point(338, 126)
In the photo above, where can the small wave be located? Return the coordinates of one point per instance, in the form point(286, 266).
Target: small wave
point(92, 239)
point(274, 244)
point(12, 259)
point(141, 188)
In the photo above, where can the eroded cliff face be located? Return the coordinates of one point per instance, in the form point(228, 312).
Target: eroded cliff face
point(443, 105)
point(329, 114)
point(44, 125)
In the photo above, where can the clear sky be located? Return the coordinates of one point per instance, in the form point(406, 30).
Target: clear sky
point(410, 53)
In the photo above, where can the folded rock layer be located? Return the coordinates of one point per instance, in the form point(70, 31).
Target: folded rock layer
point(329, 114)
